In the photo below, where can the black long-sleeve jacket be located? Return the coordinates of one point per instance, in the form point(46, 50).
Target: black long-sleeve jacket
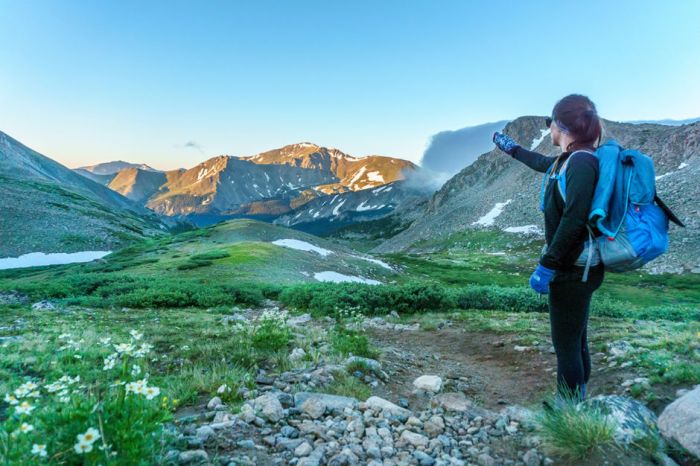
point(565, 222)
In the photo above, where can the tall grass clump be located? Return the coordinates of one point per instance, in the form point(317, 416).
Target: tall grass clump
point(576, 434)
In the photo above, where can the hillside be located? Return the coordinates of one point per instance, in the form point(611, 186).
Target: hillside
point(47, 207)
point(499, 192)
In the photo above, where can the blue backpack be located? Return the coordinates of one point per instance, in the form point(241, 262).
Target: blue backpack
point(625, 209)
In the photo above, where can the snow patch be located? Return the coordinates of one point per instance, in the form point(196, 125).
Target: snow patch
point(536, 142)
point(379, 189)
point(525, 229)
point(362, 207)
point(335, 277)
point(301, 246)
point(358, 175)
point(376, 261)
point(682, 165)
point(35, 259)
point(375, 176)
point(336, 208)
point(202, 173)
point(490, 217)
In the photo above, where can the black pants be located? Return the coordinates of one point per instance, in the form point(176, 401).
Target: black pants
point(569, 304)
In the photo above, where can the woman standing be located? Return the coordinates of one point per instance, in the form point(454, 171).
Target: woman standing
point(562, 272)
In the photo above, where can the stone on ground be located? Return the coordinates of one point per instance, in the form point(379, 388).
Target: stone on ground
point(680, 421)
point(428, 383)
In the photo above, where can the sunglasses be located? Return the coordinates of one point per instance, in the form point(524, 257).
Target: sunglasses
point(548, 121)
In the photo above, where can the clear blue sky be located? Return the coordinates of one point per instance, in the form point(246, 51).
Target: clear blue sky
point(85, 81)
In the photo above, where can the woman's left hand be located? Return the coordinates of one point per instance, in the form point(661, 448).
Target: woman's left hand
point(540, 278)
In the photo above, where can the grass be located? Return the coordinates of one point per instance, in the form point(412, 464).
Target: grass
point(577, 435)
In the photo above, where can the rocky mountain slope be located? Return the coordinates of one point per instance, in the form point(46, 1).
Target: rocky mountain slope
point(499, 192)
point(326, 214)
point(264, 186)
point(47, 207)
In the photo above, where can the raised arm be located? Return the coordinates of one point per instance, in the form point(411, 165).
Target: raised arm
point(534, 160)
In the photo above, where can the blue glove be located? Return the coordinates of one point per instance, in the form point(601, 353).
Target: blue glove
point(505, 143)
point(540, 278)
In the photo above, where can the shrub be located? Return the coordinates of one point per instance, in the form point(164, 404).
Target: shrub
point(348, 341)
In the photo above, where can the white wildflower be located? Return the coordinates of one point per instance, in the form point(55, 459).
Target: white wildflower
point(125, 348)
point(39, 450)
point(89, 436)
point(105, 341)
point(11, 399)
point(136, 335)
point(151, 392)
point(24, 428)
point(135, 370)
point(83, 447)
point(24, 408)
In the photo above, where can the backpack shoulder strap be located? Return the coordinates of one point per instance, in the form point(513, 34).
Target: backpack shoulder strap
point(561, 178)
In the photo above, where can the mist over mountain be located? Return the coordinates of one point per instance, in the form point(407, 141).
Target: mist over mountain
point(450, 151)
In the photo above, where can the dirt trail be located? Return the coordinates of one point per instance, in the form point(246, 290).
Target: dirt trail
point(485, 366)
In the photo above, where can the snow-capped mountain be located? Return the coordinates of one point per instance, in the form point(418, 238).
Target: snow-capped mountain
point(266, 185)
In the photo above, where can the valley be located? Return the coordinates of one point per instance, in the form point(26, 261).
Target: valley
point(341, 320)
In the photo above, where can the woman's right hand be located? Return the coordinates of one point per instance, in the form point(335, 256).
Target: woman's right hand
point(505, 143)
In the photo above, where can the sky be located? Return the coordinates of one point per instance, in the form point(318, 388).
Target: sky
point(171, 83)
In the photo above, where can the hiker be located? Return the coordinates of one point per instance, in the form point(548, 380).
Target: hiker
point(562, 272)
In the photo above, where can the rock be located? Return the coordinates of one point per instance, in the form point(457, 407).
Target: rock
point(423, 458)
point(525, 417)
point(372, 366)
point(428, 383)
point(632, 419)
point(314, 407)
point(247, 413)
point(43, 306)
point(531, 458)
point(303, 450)
point(435, 426)
point(204, 432)
point(452, 401)
point(680, 421)
point(297, 354)
point(298, 321)
point(269, 407)
point(380, 404)
point(619, 348)
point(214, 403)
point(393, 315)
point(417, 440)
point(193, 457)
point(333, 403)
point(486, 460)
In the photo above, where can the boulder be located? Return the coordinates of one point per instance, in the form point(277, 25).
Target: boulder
point(417, 440)
point(452, 401)
point(336, 404)
point(428, 383)
point(193, 457)
point(269, 407)
point(632, 419)
point(380, 404)
point(680, 421)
